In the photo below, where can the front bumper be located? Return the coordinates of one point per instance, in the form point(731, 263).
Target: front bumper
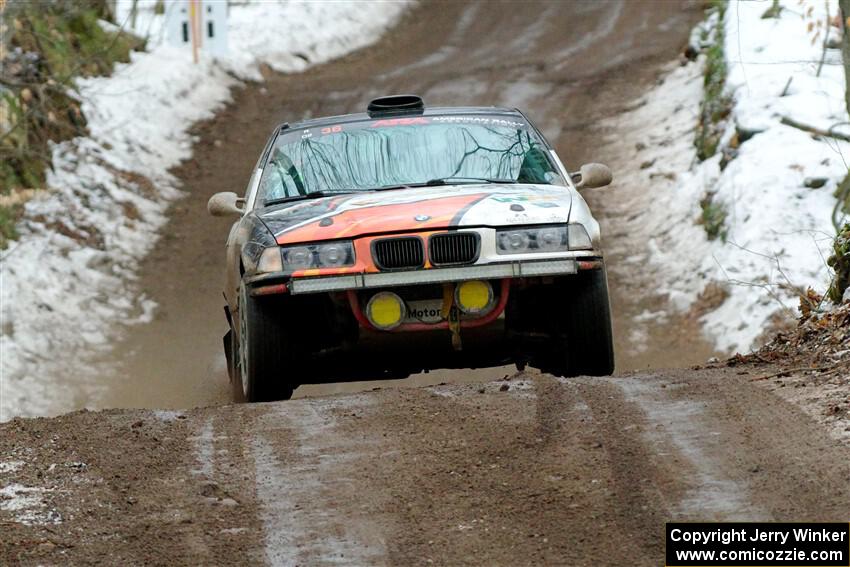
point(506, 270)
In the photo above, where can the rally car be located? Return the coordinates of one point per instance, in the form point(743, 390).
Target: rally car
point(408, 238)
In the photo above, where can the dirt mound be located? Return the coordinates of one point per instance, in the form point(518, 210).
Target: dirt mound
point(820, 340)
point(810, 365)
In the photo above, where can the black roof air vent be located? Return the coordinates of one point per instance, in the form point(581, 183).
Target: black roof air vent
point(396, 104)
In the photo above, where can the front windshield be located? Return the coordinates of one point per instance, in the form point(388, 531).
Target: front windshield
point(374, 154)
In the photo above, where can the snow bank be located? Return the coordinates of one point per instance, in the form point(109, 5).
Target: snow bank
point(70, 275)
point(778, 230)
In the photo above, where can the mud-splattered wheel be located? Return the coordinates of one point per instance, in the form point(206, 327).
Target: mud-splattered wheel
point(582, 337)
point(264, 351)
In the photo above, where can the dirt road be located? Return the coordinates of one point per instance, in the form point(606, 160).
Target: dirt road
point(482, 470)
point(529, 470)
point(569, 64)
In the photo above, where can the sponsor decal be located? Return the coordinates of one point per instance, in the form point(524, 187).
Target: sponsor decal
point(479, 120)
point(542, 201)
point(400, 122)
point(425, 311)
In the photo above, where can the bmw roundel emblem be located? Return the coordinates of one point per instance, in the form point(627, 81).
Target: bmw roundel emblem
point(421, 218)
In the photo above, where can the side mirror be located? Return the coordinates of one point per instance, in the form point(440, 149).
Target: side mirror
point(223, 204)
point(592, 175)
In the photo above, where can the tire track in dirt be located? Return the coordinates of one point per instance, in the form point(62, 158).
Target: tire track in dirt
point(683, 425)
point(311, 508)
point(645, 488)
point(506, 473)
point(225, 478)
point(751, 455)
point(791, 466)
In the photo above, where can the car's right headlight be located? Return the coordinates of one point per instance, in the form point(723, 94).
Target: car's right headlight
point(310, 256)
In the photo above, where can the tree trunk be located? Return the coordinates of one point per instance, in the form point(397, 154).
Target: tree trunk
point(845, 48)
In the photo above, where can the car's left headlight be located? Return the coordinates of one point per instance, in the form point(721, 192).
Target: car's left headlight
point(542, 239)
point(578, 238)
point(309, 256)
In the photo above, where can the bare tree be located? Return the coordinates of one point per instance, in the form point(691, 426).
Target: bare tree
point(845, 48)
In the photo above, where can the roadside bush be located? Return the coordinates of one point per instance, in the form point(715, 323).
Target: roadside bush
point(772, 12)
point(839, 261)
point(716, 105)
point(44, 46)
point(8, 217)
point(713, 218)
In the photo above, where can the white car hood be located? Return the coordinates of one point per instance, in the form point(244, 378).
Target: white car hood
point(421, 208)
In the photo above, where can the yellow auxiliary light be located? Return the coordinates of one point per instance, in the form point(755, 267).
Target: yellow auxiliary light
point(385, 310)
point(474, 297)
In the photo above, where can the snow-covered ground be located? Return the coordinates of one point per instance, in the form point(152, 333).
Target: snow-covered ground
point(778, 229)
point(69, 276)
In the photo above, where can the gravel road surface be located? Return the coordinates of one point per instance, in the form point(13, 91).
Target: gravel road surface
point(519, 471)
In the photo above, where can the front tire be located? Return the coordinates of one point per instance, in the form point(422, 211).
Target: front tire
point(265, 350)
point(582, 339)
